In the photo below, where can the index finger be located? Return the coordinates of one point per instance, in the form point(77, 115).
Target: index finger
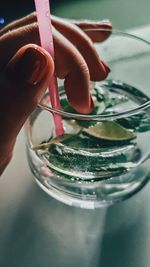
point(85, 25)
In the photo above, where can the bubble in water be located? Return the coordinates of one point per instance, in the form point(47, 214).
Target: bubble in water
point(47, 14)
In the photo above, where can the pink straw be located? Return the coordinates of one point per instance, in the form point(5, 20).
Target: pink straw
point(45, 31)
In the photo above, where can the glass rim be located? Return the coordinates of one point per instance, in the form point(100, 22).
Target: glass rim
point(100, 117)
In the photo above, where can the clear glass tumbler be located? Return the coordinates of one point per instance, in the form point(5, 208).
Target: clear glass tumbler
point(102, 157)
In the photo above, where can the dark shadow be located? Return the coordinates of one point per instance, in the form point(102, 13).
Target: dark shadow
point(11, 10)
point(125, 241)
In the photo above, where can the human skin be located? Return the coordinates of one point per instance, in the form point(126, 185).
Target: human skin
point(26, 69)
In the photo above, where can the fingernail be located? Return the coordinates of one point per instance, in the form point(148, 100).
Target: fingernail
point(92, 103)
point(32, 66)
point(106, 67)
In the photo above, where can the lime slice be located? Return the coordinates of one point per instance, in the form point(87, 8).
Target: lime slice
point(110, 131)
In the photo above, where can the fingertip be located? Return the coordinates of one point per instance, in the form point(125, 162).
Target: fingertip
point(99, 31)
point(39, 53)
point(31, 65)
point(82, 106)
point(100, 71)
point(106, 67)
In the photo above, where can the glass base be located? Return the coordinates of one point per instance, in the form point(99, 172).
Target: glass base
point(90, 195)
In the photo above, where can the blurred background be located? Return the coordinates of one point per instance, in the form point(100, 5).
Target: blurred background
point(124, 14)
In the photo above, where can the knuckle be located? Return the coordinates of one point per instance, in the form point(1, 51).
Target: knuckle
point(83, 68)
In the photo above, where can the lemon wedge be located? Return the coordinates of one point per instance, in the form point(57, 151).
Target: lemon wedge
point(110, 131)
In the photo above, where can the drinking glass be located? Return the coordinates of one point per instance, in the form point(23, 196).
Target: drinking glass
point(103, 157)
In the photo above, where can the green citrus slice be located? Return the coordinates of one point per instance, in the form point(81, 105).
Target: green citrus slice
point(110, 131)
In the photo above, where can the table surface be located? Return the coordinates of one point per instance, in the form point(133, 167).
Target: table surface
point(36, 230)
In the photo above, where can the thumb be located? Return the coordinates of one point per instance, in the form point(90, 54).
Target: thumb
point(22, 84)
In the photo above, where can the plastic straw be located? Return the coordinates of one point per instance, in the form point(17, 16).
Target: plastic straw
point(46, 38)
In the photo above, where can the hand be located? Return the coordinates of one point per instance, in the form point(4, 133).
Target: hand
point(26, 69)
